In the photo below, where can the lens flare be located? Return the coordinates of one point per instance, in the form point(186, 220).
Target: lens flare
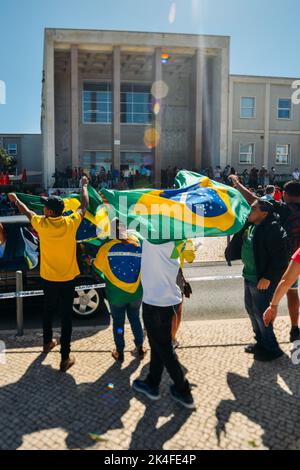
point(156, 108)
point(110, 386)
point(165, 58)
point(159, 90)
point(151, 137)
point(172, 13)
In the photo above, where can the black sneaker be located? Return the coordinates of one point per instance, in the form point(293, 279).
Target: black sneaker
point(142, 387)
point(185, 399)
point(252, 348)
point(266, 356)
point(294, 334)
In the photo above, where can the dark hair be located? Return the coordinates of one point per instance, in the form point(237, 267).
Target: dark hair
point(270, 189)
point(292, 188)
point(265, 206)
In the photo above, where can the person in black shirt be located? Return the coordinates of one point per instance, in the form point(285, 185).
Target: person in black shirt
point(289, 213)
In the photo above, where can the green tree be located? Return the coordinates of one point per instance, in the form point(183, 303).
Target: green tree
point(7, 162)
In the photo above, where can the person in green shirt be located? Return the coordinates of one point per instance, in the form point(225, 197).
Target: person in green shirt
point(118, 261)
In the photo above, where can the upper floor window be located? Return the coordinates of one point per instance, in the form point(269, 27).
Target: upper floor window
point(248, 107)
point(283, 153)
point(284, 108)
point(247, 154)
point(135, 103)
point(97, 103)
point(12, 149)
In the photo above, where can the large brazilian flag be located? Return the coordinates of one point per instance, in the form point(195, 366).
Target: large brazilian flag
point(198, 207)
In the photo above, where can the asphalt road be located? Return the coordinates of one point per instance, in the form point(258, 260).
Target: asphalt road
point(217, 294)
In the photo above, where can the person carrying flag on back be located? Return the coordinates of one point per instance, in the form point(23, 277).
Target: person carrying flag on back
point(118, 261)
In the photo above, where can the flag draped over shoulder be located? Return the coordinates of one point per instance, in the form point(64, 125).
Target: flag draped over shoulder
point(199, 207)
point(96, 221)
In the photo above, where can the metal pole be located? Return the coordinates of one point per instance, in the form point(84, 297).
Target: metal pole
point(19, 303)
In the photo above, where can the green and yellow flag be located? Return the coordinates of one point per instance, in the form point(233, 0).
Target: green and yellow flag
point(198, 207)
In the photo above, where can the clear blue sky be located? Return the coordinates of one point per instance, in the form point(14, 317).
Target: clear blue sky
point(265, 38)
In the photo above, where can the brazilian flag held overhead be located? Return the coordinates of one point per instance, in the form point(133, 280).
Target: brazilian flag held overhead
point(199, 207)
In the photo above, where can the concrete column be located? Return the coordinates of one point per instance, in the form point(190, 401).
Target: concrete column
point(74, 107)
point(230, 122)
point(157, 121)
point(267, 124)
point(116, 108)
point(48, 122)
point(224, 106)
point(199, 78)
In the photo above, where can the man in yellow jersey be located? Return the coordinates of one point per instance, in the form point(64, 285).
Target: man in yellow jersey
point(58, 266)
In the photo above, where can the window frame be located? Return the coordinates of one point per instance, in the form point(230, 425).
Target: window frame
point(83, 112)
point(15, 153)
point(253, 154)
point(289, 155)
point(243, 107)
point(150, 113)
point(291, 110)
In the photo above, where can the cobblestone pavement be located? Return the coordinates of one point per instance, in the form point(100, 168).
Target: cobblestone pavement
point(241, 404)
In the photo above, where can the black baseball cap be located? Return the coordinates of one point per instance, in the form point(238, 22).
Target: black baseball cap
point(54, 203)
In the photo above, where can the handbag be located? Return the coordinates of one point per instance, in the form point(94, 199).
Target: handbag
point(184, 286)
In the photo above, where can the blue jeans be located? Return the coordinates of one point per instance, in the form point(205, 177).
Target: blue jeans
point(256, 302)
point(118, 313)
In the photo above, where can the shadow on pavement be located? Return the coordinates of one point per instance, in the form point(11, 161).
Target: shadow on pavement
point(147, 434)
point(273, 406)
point(45, 399)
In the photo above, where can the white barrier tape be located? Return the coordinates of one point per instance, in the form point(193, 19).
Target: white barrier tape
point(36, 293)
point(213, 278)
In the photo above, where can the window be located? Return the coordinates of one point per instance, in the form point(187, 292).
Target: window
point(12, 149)
point(247, 154)
point(284, 108)
point(135, 104)
point(96, 160)
point(248, 108)
point(97, 103)
point(283, 154)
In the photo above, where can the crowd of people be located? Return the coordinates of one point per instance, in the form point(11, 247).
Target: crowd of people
point(103, 178)
point(268, 246)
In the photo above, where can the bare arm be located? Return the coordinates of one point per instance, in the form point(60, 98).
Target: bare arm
point(250, 197)
point(2, 235)
point(23, 209)
point(288, 279)
point(84, 197)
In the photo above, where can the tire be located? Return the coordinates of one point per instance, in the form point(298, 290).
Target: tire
point(89, 302)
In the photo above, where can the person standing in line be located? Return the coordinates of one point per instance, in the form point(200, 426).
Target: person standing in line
point(58, 265)
point(161, 300)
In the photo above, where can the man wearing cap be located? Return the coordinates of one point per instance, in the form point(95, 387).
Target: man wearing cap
point(262, 246)
point(58, 266)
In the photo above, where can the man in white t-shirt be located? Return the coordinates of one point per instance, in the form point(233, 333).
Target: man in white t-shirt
point(161, 299)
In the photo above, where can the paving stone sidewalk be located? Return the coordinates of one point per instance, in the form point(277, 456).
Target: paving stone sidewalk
point(241, 404)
